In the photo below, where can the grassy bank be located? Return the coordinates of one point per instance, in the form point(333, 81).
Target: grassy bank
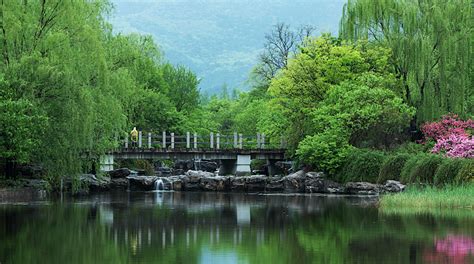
point(430, 197)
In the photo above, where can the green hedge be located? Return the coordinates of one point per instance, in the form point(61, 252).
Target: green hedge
point(425, 169)
point(392, 167)
point(447, 171)
point(408, 168)
point(361, 165)
point(466, 172)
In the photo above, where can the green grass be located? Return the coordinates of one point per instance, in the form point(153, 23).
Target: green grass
point(430, 197)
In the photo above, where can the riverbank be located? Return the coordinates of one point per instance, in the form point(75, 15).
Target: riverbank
point(431, 197)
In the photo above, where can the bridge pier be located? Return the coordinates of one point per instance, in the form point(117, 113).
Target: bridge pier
point(106, 162)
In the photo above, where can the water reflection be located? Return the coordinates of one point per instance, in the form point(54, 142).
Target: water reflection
point(167, 227)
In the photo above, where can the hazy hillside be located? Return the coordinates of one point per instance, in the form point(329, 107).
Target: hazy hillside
point(219, 39)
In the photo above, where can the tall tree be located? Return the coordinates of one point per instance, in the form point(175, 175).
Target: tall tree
point(431, 42)
point(279, 46)
point(182, 87)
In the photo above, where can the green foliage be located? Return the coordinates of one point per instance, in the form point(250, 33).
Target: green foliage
point(466, 173)
point(361, 165)
point(409, 167)
point(431, 49)
point(392, 167)
point(182, 87)
point(428, 198)
point(321, 64)
point(69, 87)
point(21, 128)
point(413, 148)
point(325, 151)
point(447, 171)
point(424, 169)
point(374, 116)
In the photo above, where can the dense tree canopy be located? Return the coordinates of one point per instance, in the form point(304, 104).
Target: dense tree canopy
point(322, 63)
point(431, 43)
point(70, 87)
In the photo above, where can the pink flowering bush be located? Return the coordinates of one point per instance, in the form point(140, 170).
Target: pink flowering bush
point(455, 146)
point(452, 136)
point(450, 124)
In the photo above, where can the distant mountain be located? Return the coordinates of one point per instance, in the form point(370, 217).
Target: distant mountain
point(219, 39)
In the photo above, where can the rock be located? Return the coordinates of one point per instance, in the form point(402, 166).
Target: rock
point(142, 183)
point(393, 186)
point(164, 171)
point(284, 166)
point(119, 183)
point(217, 183)
point(184, 165)
point(200, 174)
point(275, 184)
point(91, 182)
point(191, 181)
point(237, 184)
point(318, 184)
point(119, 173)
point(313, 174)
point(176, 183)
point(140, 172)
point(206, 165)
point(295, 182)
point(255, 183)
point(176, 172)
point(362, 188)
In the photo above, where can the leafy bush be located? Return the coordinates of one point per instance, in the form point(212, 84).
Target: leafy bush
point(466, 172)
point(392, 167)
point(362, 165)
point(325, 151)
point(447, 171)
point(425, 169)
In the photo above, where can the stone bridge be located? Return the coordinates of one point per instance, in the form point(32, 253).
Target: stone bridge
point(234, 152)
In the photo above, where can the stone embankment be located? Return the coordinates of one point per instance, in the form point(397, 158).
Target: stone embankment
point(299, 182)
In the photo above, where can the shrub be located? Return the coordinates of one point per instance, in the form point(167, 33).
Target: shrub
point(425, 169)
point(325, 151)
point(361, 165)
point(466, 172)
point(447, 171)
point(453, 136)
point(392, 167)
point(409, 166)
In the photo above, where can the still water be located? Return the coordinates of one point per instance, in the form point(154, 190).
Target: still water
point(167, 227)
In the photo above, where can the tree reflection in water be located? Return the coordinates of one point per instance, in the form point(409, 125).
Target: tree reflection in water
point(230, 228)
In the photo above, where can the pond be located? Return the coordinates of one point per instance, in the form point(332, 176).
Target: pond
point(185, 227)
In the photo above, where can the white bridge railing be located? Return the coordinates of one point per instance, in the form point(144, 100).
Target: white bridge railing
point(164, 140)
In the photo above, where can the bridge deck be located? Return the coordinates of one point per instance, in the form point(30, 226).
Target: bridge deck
point(185, 153)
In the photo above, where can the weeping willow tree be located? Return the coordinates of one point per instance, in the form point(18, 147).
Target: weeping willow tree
point(431, 42)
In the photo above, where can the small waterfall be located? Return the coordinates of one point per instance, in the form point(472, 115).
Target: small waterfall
point(159, 185)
